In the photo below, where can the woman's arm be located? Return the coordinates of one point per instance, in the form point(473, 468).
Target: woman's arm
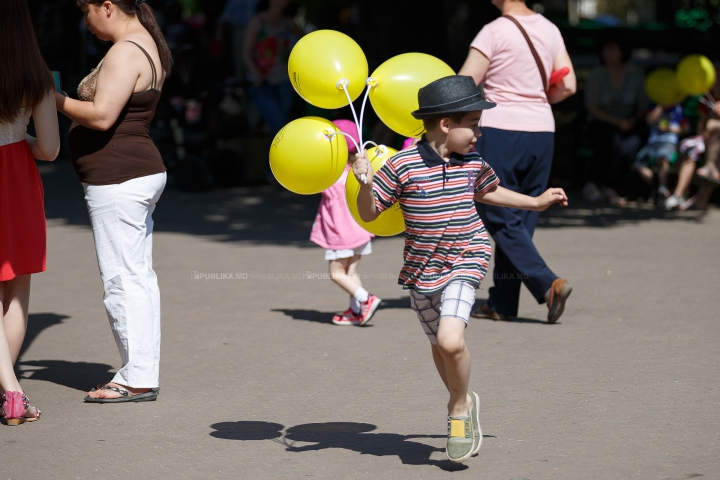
point(115, 85)
point(251, 33)
point(568, 85)
point(476, 65)
point(47, 144)
point(502, 197)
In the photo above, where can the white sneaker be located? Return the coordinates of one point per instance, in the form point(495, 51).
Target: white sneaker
point(673, 202)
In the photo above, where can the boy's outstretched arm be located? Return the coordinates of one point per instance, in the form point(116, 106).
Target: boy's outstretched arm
point(366, 198)
point(502, 197)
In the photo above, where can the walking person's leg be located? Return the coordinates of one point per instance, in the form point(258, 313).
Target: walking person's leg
point(340, 274)
point(522, 161)
point(542, 283)
point(362, 303)
point(15, 305)
point(119, 215)
point(14, 295)
point(443, 316)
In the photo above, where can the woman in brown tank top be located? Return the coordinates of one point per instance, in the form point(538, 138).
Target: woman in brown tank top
point(123, 176)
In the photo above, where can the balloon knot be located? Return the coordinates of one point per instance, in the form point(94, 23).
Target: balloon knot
point(343, 84)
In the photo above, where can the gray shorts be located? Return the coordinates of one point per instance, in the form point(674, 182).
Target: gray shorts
point(455, 300)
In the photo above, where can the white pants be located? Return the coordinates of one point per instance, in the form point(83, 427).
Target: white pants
point(121, 218)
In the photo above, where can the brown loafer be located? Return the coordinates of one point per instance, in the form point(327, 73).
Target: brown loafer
point(484, 311)
point(559, 293)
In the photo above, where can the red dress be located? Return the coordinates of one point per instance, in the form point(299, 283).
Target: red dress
point(22, 214)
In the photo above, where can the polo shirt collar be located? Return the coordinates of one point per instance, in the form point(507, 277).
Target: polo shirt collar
point(431, 158)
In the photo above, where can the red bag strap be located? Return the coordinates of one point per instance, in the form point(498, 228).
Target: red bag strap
point(535, 55)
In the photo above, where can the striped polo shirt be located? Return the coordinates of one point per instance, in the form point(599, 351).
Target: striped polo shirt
point(444, 237)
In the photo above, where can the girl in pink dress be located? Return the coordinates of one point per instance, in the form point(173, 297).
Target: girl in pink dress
point(345, 242)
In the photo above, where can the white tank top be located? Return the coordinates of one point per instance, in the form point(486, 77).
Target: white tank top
point(15, 132)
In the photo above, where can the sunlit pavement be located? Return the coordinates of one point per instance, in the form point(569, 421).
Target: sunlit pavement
point(257, 383)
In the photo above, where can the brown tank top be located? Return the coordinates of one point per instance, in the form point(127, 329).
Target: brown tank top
point(123, 152)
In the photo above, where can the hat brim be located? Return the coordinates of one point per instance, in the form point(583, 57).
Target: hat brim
point(473, 107)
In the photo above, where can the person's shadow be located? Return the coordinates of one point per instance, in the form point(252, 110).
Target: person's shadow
point(326, 317)
point(77, 375)
point(37, 322)
point(347, 435)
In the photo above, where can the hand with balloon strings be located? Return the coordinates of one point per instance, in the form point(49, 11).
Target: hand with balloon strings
point(362, 169)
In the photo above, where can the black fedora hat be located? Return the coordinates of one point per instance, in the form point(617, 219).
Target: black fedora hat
point(453, 94)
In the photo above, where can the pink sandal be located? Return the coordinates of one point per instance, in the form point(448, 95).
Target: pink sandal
point(16, 407)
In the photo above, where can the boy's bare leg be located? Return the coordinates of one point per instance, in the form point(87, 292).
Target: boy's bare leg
point(452, 359)
point(15, 302)
point(685, 175)
point(8, 381)
point(339, 274)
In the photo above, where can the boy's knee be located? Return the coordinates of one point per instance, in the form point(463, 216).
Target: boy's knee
point(450, 344)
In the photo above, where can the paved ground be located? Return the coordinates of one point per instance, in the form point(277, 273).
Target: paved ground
point(256, 383)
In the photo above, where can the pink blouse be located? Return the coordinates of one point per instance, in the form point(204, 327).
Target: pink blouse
point(334, 227)
point(513, 80)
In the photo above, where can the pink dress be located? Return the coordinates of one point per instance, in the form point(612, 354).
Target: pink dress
point(334, 227)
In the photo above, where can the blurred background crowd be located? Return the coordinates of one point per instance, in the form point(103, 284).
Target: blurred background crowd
point(221, 106)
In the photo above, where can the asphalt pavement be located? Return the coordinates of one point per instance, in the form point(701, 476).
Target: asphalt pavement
point(257, 383)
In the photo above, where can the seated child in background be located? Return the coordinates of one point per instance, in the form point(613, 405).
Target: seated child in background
point(666, 125)
point(447, 248)
point(691, 151)
point(345, 242)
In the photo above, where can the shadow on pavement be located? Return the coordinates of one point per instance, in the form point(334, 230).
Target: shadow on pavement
point(346, 435)
point(390, 303)
point(273, 215)
point(265, 214)
point(307, 315)
point(584, 214)
point(76, 375)
point(326, 317)
point(37, 322)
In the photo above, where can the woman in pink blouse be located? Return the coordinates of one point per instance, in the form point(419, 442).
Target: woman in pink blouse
point(514, 57)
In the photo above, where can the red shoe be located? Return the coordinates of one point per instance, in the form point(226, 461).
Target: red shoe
point(348, 317)
point(368, 307)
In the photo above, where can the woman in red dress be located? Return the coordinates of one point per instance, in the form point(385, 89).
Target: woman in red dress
point(26, 90)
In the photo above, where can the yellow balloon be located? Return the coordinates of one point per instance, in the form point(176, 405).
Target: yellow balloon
point(391, 221)
point(319, 61)
point(695, 74)
point(662, 87)
point(306, 157)
point(394, 92)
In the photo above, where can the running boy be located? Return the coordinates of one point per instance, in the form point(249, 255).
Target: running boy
point(446, 246)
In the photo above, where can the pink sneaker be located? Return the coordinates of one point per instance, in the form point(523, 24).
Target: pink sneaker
point(367, 308)
point(348, 317)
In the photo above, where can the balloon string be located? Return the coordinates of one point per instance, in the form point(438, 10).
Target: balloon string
point(332, 135)
point(359, 127)
point(369, 142)
point(710, 97)
point(706, 103)
point(362, 110)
